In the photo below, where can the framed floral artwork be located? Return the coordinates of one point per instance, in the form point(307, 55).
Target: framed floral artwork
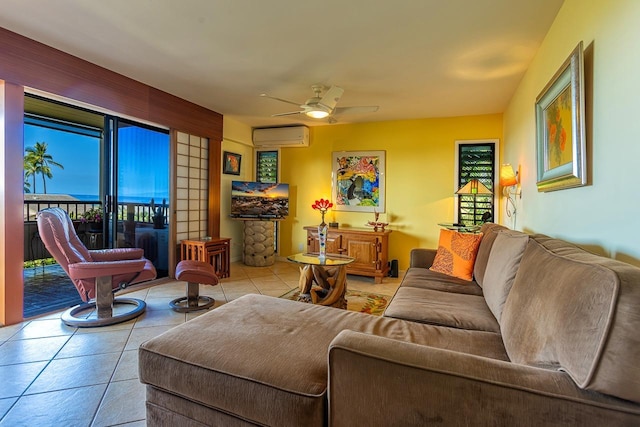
point(231, 163)
point(358, 182)
point(560, 128)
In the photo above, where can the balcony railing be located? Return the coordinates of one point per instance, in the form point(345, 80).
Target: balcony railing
point(143, 214)
point(75, 209)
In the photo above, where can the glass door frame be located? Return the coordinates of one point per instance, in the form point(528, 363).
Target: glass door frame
point(110, 193)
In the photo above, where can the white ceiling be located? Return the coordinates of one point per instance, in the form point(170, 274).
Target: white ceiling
point(413, 58)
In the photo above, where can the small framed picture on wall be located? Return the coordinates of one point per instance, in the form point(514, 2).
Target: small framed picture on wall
point(231, 163)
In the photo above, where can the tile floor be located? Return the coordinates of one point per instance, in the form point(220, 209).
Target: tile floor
point(47, 289)
point(55, 375)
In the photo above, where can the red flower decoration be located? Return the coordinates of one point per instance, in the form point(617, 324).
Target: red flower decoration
point(322, 205)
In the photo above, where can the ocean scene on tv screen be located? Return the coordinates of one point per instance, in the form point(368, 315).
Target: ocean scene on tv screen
point(259, 200)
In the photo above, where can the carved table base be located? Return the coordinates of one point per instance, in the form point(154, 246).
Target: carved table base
point(330, 285)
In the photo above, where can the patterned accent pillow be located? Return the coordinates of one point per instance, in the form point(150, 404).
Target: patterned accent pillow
point(456, 254)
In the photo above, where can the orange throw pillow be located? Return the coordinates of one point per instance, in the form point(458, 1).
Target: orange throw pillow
point(456, 254)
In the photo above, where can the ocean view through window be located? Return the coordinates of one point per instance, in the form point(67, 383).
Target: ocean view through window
point(77, 149)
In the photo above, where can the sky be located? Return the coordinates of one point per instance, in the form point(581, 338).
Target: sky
point(259, 189)
point(75, 152)
point(143, 155)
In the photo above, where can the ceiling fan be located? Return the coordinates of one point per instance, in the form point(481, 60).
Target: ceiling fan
point(319, 107)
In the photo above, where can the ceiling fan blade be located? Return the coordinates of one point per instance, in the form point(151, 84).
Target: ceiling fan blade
point(287, 114)
point(355, 110)
point(331, 97)
point(264, 95)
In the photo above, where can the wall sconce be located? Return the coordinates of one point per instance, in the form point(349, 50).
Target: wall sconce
point(510, 183)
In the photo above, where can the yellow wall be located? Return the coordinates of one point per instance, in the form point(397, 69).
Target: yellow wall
point(420, 158)
point(236, 139)
point(602, 215)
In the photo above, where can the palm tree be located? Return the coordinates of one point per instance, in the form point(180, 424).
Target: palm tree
point(29, 171)
point(40, 163)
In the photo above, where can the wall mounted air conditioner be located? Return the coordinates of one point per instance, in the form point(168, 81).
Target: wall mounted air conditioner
point(286, 136)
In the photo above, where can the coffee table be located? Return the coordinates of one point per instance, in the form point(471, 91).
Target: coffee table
point(329, 275)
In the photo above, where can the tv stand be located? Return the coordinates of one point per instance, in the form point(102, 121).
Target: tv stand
point(259, 245)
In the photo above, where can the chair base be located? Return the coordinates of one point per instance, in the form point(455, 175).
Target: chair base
point(69, 317)
point(186, 304)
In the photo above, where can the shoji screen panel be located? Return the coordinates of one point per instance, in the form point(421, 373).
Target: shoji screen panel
point(192, 159)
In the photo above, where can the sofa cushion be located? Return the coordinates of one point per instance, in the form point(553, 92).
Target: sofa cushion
point(489, 232)
point(456, 253)
point(502, 268)
point(426, 279)
point(264, 359)
point(578, 312)
point(442, 308)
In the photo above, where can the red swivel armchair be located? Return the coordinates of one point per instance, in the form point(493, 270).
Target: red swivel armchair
point(97, 274)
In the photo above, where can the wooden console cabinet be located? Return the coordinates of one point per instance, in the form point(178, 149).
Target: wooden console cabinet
point(369, 248)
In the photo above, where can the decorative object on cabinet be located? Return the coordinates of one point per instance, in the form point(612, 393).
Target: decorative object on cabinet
point(560, 127)
point(359, 181)
point(377, 224)
point(369, 248)
point(323, 206)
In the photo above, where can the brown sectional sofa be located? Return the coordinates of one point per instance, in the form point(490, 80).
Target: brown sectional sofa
point(546, 334)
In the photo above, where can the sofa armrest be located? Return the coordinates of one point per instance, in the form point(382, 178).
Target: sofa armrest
point(422, 257)
point(391, 382)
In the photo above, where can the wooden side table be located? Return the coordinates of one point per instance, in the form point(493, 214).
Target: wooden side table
point(216, 251)
point(328, 273)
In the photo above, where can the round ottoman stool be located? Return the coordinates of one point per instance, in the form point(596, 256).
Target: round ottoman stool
point(194, 273)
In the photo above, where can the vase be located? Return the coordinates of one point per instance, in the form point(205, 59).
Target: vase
point(322, 241)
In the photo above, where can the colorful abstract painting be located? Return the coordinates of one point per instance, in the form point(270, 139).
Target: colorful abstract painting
point(358, 181)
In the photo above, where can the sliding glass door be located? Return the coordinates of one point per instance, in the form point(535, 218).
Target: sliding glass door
point(137, 189)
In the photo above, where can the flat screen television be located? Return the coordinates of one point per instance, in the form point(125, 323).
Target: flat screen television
point(259, 200)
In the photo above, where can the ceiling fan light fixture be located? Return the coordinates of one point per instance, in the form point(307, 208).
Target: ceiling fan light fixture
point(317, 113)
point(322, 106)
